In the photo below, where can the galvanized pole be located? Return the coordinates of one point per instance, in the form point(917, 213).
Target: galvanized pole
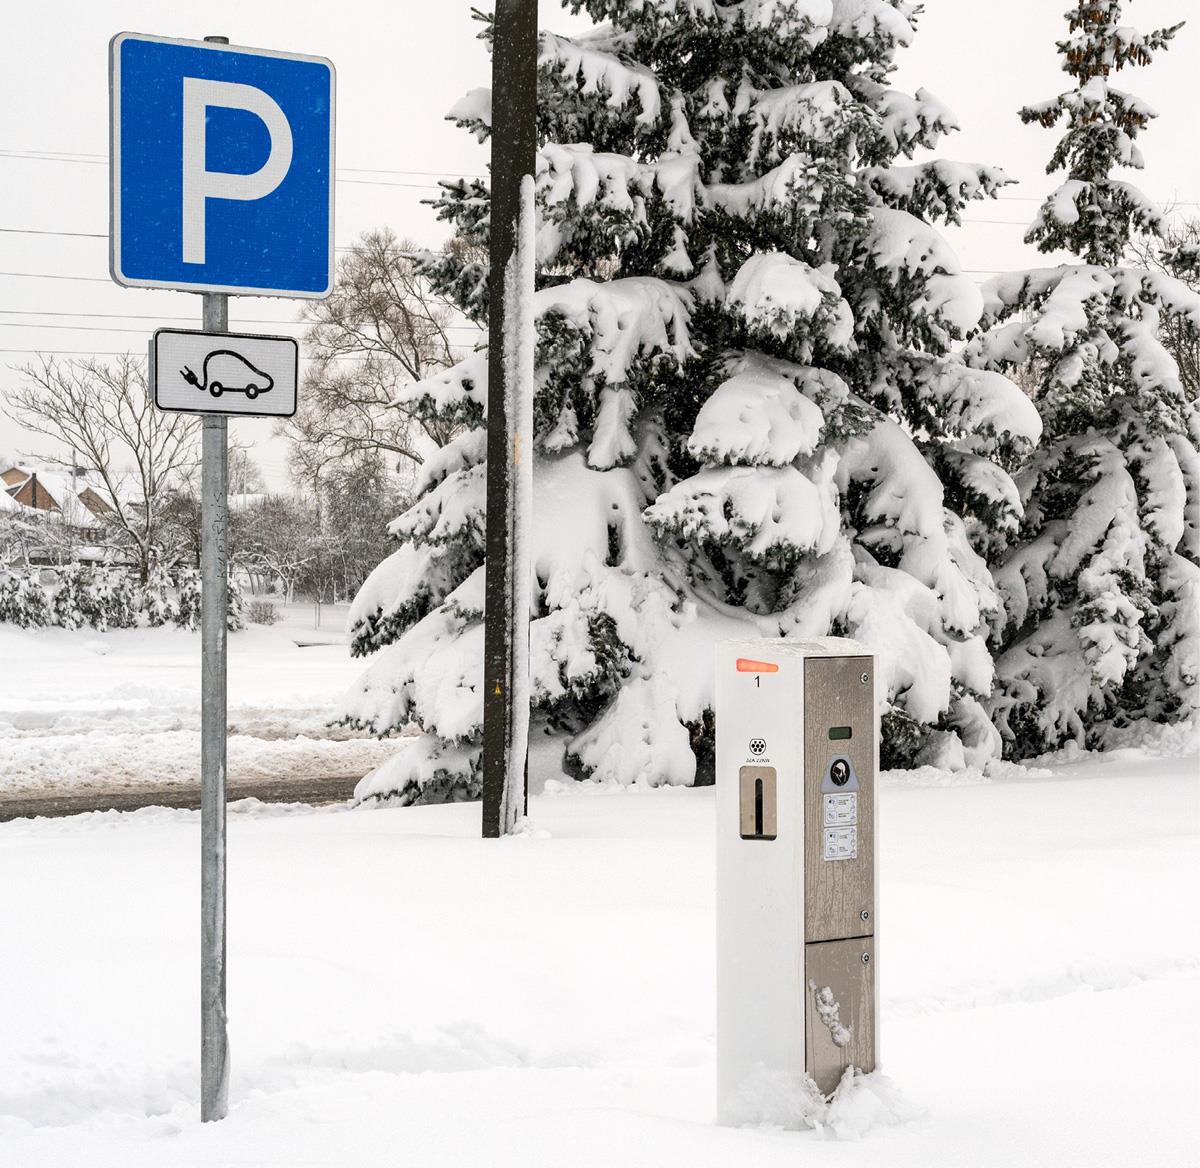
point(214, 559)
point(514, 112)
point(214, 555)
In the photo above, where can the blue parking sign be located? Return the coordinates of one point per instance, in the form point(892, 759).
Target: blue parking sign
point(222, 168)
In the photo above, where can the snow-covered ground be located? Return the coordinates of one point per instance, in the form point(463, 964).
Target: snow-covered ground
point(403, 992)
point(82, 709)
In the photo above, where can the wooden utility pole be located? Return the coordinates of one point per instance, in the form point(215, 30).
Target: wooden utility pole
point(510, 438)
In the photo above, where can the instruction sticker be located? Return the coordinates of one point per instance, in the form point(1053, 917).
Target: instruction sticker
point(841, 843)
point(841, 809)
point(841, 826)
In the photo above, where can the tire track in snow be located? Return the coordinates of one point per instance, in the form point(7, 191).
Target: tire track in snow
point(1097, 977)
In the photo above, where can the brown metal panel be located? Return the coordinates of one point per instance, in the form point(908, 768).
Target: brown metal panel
point(839, 1010)
point(839, 868)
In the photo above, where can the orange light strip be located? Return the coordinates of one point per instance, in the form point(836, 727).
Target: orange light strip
point(745, 665)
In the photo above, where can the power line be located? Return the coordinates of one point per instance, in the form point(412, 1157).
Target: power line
point(128, 316)
point(55, 276)
point(367, 182)
point(1043, 198)
point(449, 173)
point(77, 352)
point(158, 317)
point(94, 328)
point(132, 316)
point(341, 248)
point(139, 353)
point(108, 280)
point(104, 235)
point(51, 153)
point(102, 159)
point(38, 231)
point(350, 181)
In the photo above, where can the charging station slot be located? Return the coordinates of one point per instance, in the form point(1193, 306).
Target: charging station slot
point(759, 803)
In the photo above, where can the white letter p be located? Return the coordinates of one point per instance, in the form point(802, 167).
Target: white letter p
point(201, 184)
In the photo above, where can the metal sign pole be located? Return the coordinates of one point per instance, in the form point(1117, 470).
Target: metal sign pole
point(214, 557)
point(159, 86)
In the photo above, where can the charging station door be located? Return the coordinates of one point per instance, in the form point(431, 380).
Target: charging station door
point(839, 798)
point(839, 867)
point(839, 1010)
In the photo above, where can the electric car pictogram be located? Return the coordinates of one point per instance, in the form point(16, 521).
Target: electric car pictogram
point(225, 371)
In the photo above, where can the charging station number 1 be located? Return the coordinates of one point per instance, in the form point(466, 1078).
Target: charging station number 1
point(758, 668)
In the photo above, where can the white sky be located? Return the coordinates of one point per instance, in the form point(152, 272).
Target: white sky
point(401, 64)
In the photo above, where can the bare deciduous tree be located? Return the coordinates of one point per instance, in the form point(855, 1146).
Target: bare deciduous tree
point(279, 537)
point(103, 413)
point(17, 536)
point(357, 501)
point(381, 327)
point(245, 475)
point(1182, 235)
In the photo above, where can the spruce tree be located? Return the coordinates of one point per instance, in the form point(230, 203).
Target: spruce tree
point(157, 603)
point(748, 419)
point(1100, 584)
point(116, 599)
point(235, 606)
point(187, 607)
point(74, 604)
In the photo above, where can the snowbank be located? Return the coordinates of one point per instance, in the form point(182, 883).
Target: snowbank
point(400, 986)
point(119, 709)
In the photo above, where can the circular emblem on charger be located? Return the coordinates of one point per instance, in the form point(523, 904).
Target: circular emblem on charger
point(758, 745)
point(839, 772)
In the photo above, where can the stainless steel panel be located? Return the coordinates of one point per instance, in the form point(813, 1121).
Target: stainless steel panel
point(759, 810)
point(839, 832)
point(839, 1010)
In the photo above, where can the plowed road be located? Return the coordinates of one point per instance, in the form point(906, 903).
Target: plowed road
point(315, 791)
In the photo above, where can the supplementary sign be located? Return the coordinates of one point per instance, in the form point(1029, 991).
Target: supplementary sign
point(222, 168)
point(224, 373)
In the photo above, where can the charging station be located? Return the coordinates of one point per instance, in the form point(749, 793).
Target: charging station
point(796, 758)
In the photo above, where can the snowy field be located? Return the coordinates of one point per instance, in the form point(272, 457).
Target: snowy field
point(402, 992)
point(81, 709)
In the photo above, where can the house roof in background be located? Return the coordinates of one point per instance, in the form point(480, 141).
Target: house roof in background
point(60, 485)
